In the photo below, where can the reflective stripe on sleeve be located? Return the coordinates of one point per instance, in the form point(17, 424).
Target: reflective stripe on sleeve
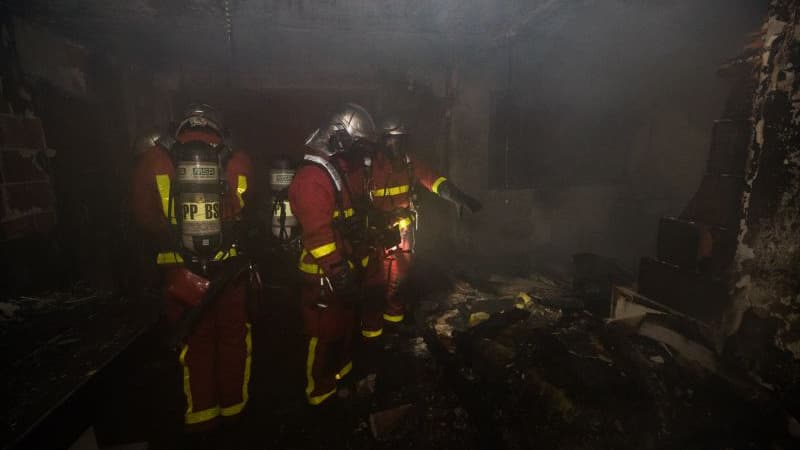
point(390, 191)
point(163, 186)
point(436, 184)
point(241, 188)
point(323, 250)
point(310, 268)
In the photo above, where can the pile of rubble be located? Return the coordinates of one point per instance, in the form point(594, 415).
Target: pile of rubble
point(533, 367)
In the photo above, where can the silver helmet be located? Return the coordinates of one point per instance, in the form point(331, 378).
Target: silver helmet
point(352, 123)
point(200, 115)
point(393, 126)
point(147, 140)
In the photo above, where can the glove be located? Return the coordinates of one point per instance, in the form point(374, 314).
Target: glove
point(451, 192)
point(391, 237)
point(344, 285)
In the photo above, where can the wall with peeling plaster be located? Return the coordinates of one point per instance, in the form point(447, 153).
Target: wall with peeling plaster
point(768, 256)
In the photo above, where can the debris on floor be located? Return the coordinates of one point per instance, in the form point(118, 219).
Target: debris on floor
point(383, 423)
point(549, 376)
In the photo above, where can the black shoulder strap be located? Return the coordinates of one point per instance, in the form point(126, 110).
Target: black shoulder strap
point(412, 181)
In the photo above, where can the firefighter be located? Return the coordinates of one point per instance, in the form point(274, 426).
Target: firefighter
point(325, 196)
point(188, 197)
point(392, 184)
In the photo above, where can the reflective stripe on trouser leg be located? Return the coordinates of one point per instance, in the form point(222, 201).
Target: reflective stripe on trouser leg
point(372, 308)
point(313, 363)
point(238, 407)
point(396, 274)
point(394, 311)
point(192, 416)
point(234, 346)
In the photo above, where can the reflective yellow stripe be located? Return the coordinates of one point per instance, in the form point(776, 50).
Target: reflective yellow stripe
point(314, 269)
point(191, 416)
point(312, 348)
point(313, 400)
point(436, 184)
point(237, 408)
point(347, 213)
point(201, 416)
point(305, 267)
point(163, 185)
point(320, 398)
point(371, 334)
point(169, 258)
point(176, 258)
point(241, 187)
point(345, 370)
point(323, 250)
point(404, 223)
point(187, 391)
point(390, 191)
point(391, 318)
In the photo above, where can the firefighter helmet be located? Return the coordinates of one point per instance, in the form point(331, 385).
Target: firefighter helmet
point(393, 127)
point(351, 124)
point(200, 115)
point(394, 135)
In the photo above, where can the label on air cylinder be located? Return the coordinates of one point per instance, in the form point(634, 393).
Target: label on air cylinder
point(201, 214)
point(197, 172)
point(280, 179)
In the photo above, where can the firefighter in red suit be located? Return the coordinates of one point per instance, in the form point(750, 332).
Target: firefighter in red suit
point(215, 358)
point(392, 184)
point(325, 197)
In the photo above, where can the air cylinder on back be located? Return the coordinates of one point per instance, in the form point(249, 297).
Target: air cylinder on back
point(280, 177)
point(198, 200)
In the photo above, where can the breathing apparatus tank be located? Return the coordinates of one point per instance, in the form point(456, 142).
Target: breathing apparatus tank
point(284, 223)
point(198, 199)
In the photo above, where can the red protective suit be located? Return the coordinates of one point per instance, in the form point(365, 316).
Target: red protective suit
point(391, 186)
point(217, 355)
point(328, 318)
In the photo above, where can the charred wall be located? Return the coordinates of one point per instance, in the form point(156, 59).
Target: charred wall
point(765, 316)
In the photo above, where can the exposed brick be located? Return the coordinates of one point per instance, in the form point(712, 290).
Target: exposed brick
point(18, 167)
point(729, 141)
point(21, 132)
point(692, 293)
